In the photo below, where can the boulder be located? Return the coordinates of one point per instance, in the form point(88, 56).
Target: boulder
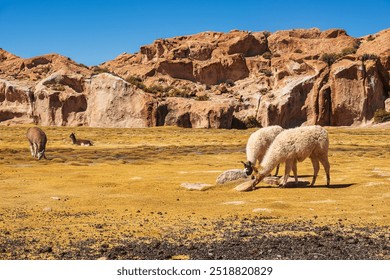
point(196, 186)
point(112, 102)
point(231, 175)
point(245, 186)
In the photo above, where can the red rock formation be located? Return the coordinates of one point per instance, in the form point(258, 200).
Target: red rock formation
point(195, 114)
point(289, 78)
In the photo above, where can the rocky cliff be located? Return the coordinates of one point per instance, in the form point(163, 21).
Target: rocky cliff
point(208, 80)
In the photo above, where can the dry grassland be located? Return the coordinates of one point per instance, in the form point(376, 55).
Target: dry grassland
point(128, 185)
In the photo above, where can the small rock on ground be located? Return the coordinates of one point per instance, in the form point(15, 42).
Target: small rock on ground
point(231, 175)
point(244, 187)
point(195, 186)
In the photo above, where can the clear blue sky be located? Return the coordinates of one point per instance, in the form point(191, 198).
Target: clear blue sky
point(92, 32)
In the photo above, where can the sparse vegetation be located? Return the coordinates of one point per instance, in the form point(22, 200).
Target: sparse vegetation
point(251, 122)
point(98, 70)
point(175, 92)
point(329, 58)
point(348, 51)
point(136, 82)
point(169, 91)
point(155, 89)
point(267, 55)
point(204, 97)
point(229, 82)
point(266, 72)
point(57, 87)
point(83, 65)
point(368, 56)
point(370, 38)
point(381, 115)
point(264, 91)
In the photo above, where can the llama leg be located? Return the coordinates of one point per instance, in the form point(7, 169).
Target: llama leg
point(35, 150)
point(277, 170)
point(295, 171)
point(32, 150)
point(41, 154)
point(287, 171)
point(325, 163)
point(256, 181)
point(316, 167)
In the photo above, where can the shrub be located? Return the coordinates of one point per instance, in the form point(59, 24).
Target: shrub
point(202, 97)
point(264, 91)
point(57, 87)
point(381, 115)
point(266, 72)
point(267, 55)
point(329, 58)
point(99, 70)
point(169, 91)
point(369, 56)
point(175, 92)
point(251, 122)
point(155, 89)
point(370, 38)
point(298, 51)
point(348, 51)
point(136, 82)
point(229, 82)
point(133, 80)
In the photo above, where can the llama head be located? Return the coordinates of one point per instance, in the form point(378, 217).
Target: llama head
point(41, 154)
point(248, 167)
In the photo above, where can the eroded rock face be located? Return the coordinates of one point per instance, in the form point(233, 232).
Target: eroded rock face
point(195, 114)
point(60, 99)
point(207, 80)
point(209, 57)
point(310, 42)
point(377, 44)
point(15, 102)
point(357, 91)
point(112, 102)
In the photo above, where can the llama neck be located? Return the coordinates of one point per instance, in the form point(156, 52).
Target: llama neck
point(269, 163)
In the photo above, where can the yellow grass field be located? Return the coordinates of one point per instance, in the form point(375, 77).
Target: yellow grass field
point(129, 184)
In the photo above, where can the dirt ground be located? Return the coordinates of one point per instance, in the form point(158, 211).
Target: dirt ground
point(122, 198)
